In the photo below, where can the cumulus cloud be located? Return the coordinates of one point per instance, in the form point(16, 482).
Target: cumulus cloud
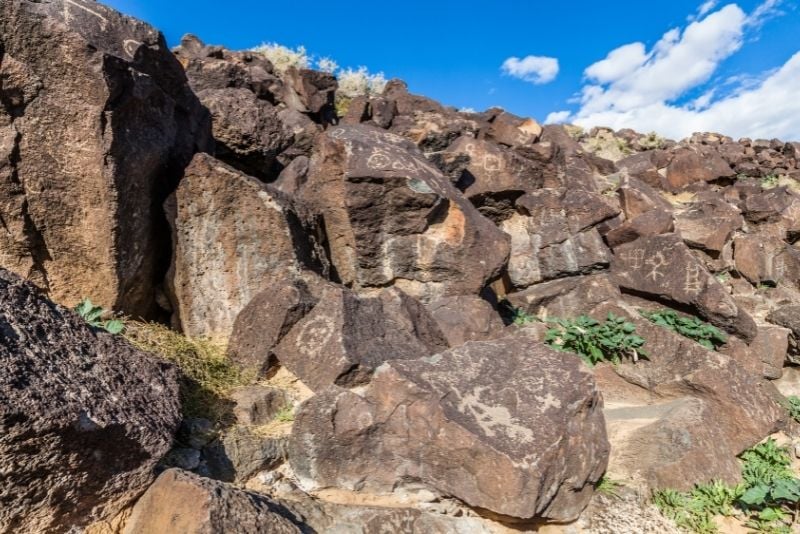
point(534, 69)
point(706, 7)
point(636, 88)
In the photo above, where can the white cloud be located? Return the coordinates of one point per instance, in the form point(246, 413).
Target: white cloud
point(636, 88)
point(534, 69)
point(557, 117)
point(706, 7)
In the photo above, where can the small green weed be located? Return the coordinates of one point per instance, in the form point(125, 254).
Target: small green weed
point(608, 486)
point(770, 181)
point(793, 406)
point(612, 340)
point(521, 317)
point(286, 415)
point(93, 315)
point(692, 327)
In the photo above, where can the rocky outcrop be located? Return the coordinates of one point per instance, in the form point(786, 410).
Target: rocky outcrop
point(476, 423)
point(183, 502)
point(391, 218)
point(231, 235)
point(80, 434)
point(96, 124)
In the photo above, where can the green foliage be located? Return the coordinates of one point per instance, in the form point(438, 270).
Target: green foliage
point(521, 317)
point(651, 141)
point(612, 340)
point(286, 415)
point(207, 376)
point(608, 486)
point(770, 181)
point(768, 496)
point(723, 277)
point(93, 315)
point(793, 406)
point(692, 327)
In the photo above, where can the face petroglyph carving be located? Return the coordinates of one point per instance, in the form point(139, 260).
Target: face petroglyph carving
point(314, 335)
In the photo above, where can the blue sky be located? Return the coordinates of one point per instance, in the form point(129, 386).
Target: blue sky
point(454, 51)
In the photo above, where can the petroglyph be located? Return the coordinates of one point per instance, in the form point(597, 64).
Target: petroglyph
point(314, 335)
point(492, 163)
point(695, 281)
point(656, 262)
point(494, 419)
point(68, 15)
point(378, 160)
point(634, 258)
point(131, 46)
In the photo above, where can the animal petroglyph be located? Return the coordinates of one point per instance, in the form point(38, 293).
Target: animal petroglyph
point(494, 419)
point(314, 335)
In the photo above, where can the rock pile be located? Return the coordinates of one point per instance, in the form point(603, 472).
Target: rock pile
point(379, 277)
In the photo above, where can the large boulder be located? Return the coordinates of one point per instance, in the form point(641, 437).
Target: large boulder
point(180, 501)
point(96, 124)
point(80, 434)
point(391, 218)
point(327, 334)
point(683, 416)
point(477, 422)
point(231, 235)
point(663, 266)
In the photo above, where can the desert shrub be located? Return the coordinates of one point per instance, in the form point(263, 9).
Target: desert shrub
point(283, 57)
point(793, 406)
point(360, 82)
point(769, 181)
point(613, 340)
point(651, 141)
point(207, 376)
point(93, 315)
point(767, 498)
point(608, 486)
point(707, 335)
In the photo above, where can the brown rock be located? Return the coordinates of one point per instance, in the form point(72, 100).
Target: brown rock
point(510, 130)
point(708, 225)
point(257, 405)
point(691, 165)
point(80, 434)
point(566, 297)
point(702, 410)
point(309, 91)
point(101, 122)
point(345, 337)
point(183, 502)
point(763, 258)
point(466, 318)
point(248, 131)
point(527, 442)
point(231, 235)
point(765, 355)
point(767, 205)
point(651, 223)
point(664, 267)
point(645, 167)
point(393, 219)
point(636, 198)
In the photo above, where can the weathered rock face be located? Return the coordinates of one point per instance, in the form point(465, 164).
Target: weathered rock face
point(476, 422)
point(702, 411)
point(183, 502)
point(696, 164)
point(663, 266)
point(97, 100)
point(231, 236)
point(79, 433)
point(708, 225)
point(553, 235)
point(346, 336)
point(391, 218)
point(466, 318)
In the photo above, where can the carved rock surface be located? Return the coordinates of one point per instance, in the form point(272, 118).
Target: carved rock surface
point(477, 422)
point(100, 121)
point(80, 433)
point(231, 235)
point(391, 218)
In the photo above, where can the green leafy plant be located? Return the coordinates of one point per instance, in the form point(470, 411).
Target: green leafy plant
point(723, 277)
point(608, 486)
point(521, 317)
point(793, 406)
point(768, 498)
point(707, 335)
point(93, 315)
point(612, 340)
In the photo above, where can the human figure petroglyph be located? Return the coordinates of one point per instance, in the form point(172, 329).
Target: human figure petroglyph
point(656, 262)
